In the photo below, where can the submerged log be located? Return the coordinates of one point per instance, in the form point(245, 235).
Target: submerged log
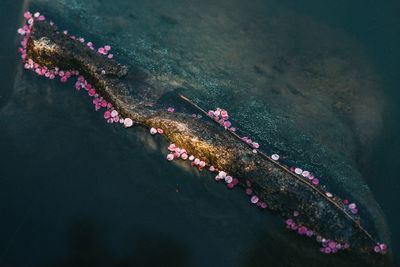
point(273, 183)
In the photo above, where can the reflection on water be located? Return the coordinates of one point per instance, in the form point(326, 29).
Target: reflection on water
point(77, 191)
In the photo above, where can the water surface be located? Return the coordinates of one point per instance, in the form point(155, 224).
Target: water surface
point(314, 82)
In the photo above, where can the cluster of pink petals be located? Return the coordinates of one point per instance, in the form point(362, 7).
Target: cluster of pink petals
point(154, 131)
point(177, 153)
point(25, 31)
point(261, 204)
point(221, 116)
point(171, 110)
point(253, 198)
point(30, 17)
point(197, 162)
point(249, 190)
point(251, 143)
point(196, 116)
point(328, 246)
point(229, 180)
point(100, 102)
point(300, 229)
point(111, 115)
point(104, 50)
point(181, 153)
point(315, 181)
point(305, 174)
point(51, 74)
point(353, 208)
point(380, 248)
point(331, 246)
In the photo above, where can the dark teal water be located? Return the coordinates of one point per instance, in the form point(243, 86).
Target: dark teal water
point(314, 81)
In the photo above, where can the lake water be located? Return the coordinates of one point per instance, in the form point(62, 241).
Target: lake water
point(316, 82)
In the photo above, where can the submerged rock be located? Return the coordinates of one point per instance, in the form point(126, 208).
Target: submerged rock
point(284, 191)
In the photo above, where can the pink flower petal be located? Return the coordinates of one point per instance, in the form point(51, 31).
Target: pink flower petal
point(228, 179)
point(222, 174)
point(352, 206)
point(227, 124)
point(254, 199)
point(128, 122)
point(255, 145)
point(289, 222)
point(302, 230)
point(275, 157)
point(21, 31)
point(27, 15)
point(114, 113)
point(153, 131)
point(172, 147)
point(107, 114)
point(92, 92)
point(298, 171)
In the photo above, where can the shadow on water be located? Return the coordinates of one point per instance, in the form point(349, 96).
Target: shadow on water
point(87, 247)
point(9, 12)
point(299, 252)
